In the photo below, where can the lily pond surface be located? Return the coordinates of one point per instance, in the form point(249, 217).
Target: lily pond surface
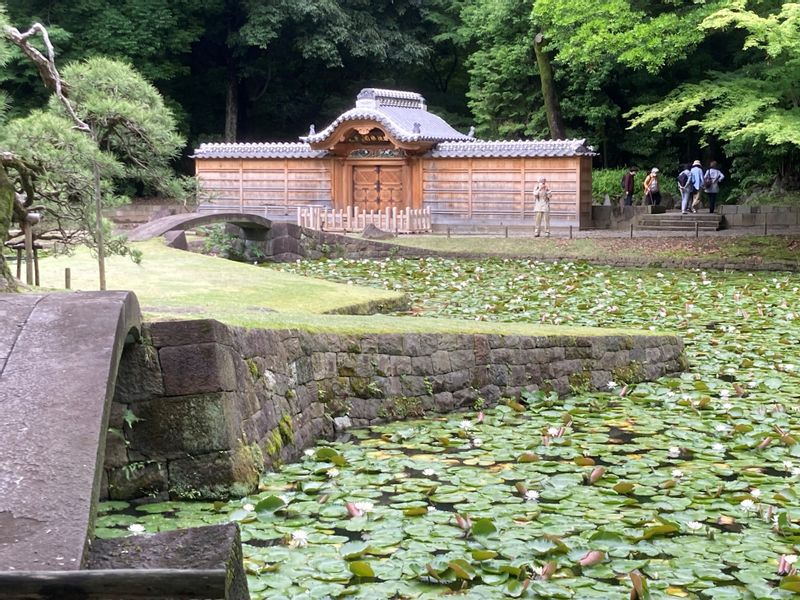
point(686, 487)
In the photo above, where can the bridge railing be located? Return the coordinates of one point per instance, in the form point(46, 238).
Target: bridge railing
point(407, 220)
point(273, 212)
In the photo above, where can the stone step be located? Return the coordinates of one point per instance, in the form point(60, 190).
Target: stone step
point(680, 222)
point(686, 227)
point(686, 217)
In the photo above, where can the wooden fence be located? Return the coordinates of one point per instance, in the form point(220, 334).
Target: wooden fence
point(406, 220)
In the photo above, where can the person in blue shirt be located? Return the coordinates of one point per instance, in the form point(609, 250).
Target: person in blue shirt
point(697, 182)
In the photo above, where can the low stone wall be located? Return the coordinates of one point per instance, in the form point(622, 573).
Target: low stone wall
point(754, 216)
point(201, 408)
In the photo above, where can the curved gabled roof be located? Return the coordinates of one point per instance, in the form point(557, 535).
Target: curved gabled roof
point(261, 150)
point(403, 115)
point(515, 148)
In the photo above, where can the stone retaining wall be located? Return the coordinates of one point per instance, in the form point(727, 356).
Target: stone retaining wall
point(755, 216)
point(201, 408)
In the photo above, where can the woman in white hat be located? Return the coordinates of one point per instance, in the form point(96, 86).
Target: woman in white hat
point(541, 207)
point(652, 191)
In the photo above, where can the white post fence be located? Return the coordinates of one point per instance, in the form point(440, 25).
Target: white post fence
point(408, 220)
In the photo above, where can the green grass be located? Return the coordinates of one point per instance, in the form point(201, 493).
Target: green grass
point(173, 284)
point(739, 249)
point(182, 284)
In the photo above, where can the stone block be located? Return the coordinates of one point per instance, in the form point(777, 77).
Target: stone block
point(175, 427)
point(323, 365)
point(421, 365)
point(179, 333)
point(116, 454)
point(197, 369)
point(481, 349)
point(137, 480)
point(176, 239)
point(215, 476)
point(211, 548)
point(139, 374)
point(401, 365)
point(441, 362)
point(382, 344)
point(419, 344)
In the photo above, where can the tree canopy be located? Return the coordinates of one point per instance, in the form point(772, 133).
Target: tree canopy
point(645, 82)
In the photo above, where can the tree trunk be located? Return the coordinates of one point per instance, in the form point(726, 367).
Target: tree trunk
point(231, 105)
point(7, 283)
point(552, 106)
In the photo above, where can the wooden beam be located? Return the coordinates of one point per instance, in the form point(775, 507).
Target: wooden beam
point(120, 584)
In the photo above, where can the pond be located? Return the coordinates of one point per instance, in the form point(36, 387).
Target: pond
point(687, 486)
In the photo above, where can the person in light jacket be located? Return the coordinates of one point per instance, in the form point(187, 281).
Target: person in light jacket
point(697, 182)
point(685, 187)
point(652, 189)
point(712, 179)
point(541, 207)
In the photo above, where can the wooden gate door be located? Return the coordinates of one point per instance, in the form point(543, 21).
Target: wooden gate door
point(378, 187)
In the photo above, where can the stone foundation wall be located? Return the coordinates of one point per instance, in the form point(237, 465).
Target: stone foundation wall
point(201, 408)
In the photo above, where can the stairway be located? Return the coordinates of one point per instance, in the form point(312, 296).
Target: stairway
point(675, 221)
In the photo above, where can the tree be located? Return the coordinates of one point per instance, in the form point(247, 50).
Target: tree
point(105, 126)
point(753, 108)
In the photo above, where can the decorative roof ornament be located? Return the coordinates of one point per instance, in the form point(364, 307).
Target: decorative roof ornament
point(311, 129)
point(471, 132)
point(262, 150)
point(402, 115)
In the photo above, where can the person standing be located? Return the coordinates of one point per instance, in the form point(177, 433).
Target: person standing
point(685, 187)
point(711, 181)
point(541, 207)
point(652, 190)
point(628, 185)
point(697, 182)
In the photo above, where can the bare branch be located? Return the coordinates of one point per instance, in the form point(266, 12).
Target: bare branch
point(46, 66)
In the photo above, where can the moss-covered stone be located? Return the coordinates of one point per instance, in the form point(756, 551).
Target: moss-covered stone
point(7, 283)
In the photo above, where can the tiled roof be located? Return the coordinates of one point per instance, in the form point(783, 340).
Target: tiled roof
point(403, 115)
point(262, 150)
point(516, 148)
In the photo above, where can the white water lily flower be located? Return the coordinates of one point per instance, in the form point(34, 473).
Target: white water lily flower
point(790, 558)
point(611, 385)
point(747, 505)
point(308, 452)
point(432, 509)
point(677, 473)
point(724, 393)
point(553, 431)
point(299, 539)
point(333, 472)
point(477, 442)
point(788, 465)
point(365, 506)
point(674, 452)
point(721, 427)
point(429, 472)
point(718, 447)
point(795, 471)
point(694, 525)
point(727, 405)
point(248, 507)
point(755, 492)
point(465, 424)
point(531, 495)
point(136, 528)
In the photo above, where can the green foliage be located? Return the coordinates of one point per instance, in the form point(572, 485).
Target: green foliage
point(753, 108)
point(607, 182)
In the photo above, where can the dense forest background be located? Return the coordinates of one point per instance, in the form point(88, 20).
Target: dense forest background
point(651, 83)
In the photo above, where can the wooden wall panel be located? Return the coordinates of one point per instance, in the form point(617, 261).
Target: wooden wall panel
point(492, 190)
point(273, 182)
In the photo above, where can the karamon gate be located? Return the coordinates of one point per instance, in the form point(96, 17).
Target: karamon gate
point(389, 152)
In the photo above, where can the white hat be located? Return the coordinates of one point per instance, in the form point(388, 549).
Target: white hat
point(654, 170)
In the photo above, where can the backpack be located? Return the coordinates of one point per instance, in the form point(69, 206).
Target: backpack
point(684, 179)
point(708, 181)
